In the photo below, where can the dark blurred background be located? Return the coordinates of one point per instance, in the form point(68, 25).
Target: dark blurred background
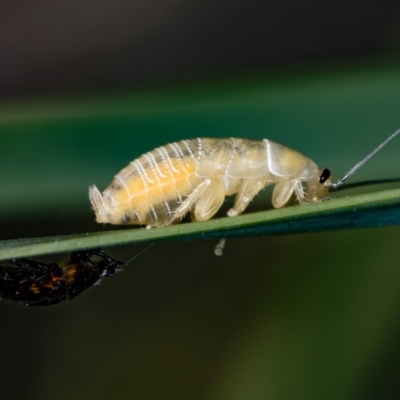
point(85, 87)
point(53, 46)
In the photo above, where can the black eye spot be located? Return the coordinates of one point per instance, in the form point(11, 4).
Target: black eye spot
point(326, 174)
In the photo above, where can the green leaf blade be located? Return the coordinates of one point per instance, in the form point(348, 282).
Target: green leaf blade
point(356, 212)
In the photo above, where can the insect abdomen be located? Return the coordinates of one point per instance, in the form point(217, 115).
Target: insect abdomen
point(151, 187)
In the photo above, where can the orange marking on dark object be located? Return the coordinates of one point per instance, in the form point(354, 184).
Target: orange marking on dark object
point(39, 284)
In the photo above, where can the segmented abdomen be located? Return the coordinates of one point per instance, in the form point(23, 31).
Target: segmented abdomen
point(151, 187)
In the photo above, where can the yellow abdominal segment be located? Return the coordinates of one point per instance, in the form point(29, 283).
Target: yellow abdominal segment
point(148, 196)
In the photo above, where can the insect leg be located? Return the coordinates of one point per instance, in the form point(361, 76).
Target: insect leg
point(300, 194)
point(282, 192)
point(107, 266)
point(247, 192)
point(210, 201)
point(188, 203)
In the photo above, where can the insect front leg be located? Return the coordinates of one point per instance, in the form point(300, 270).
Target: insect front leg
point(247, 192)
point(300, 194)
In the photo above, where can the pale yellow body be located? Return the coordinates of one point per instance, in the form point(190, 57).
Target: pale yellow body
point(161, 186)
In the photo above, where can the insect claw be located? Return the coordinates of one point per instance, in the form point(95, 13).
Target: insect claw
point(231, 213)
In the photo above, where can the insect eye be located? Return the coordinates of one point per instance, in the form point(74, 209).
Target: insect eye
point(326, 174)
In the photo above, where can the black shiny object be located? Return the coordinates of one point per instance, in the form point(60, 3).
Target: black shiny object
point(39, 284)
point(326, 174)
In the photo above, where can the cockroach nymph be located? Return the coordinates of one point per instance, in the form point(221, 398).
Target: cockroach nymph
point(162, 186)
point(36, 283)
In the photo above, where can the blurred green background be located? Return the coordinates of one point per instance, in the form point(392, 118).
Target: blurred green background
point(296, 317)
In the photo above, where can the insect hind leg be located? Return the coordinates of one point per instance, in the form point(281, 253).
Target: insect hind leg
point(189, 202)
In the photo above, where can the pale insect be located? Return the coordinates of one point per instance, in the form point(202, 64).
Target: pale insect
point(162, 186)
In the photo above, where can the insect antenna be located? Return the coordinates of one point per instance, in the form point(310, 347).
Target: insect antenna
point(340, 182)
point(367, 183)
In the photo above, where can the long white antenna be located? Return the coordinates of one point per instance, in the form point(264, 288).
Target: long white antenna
point(363, 161)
